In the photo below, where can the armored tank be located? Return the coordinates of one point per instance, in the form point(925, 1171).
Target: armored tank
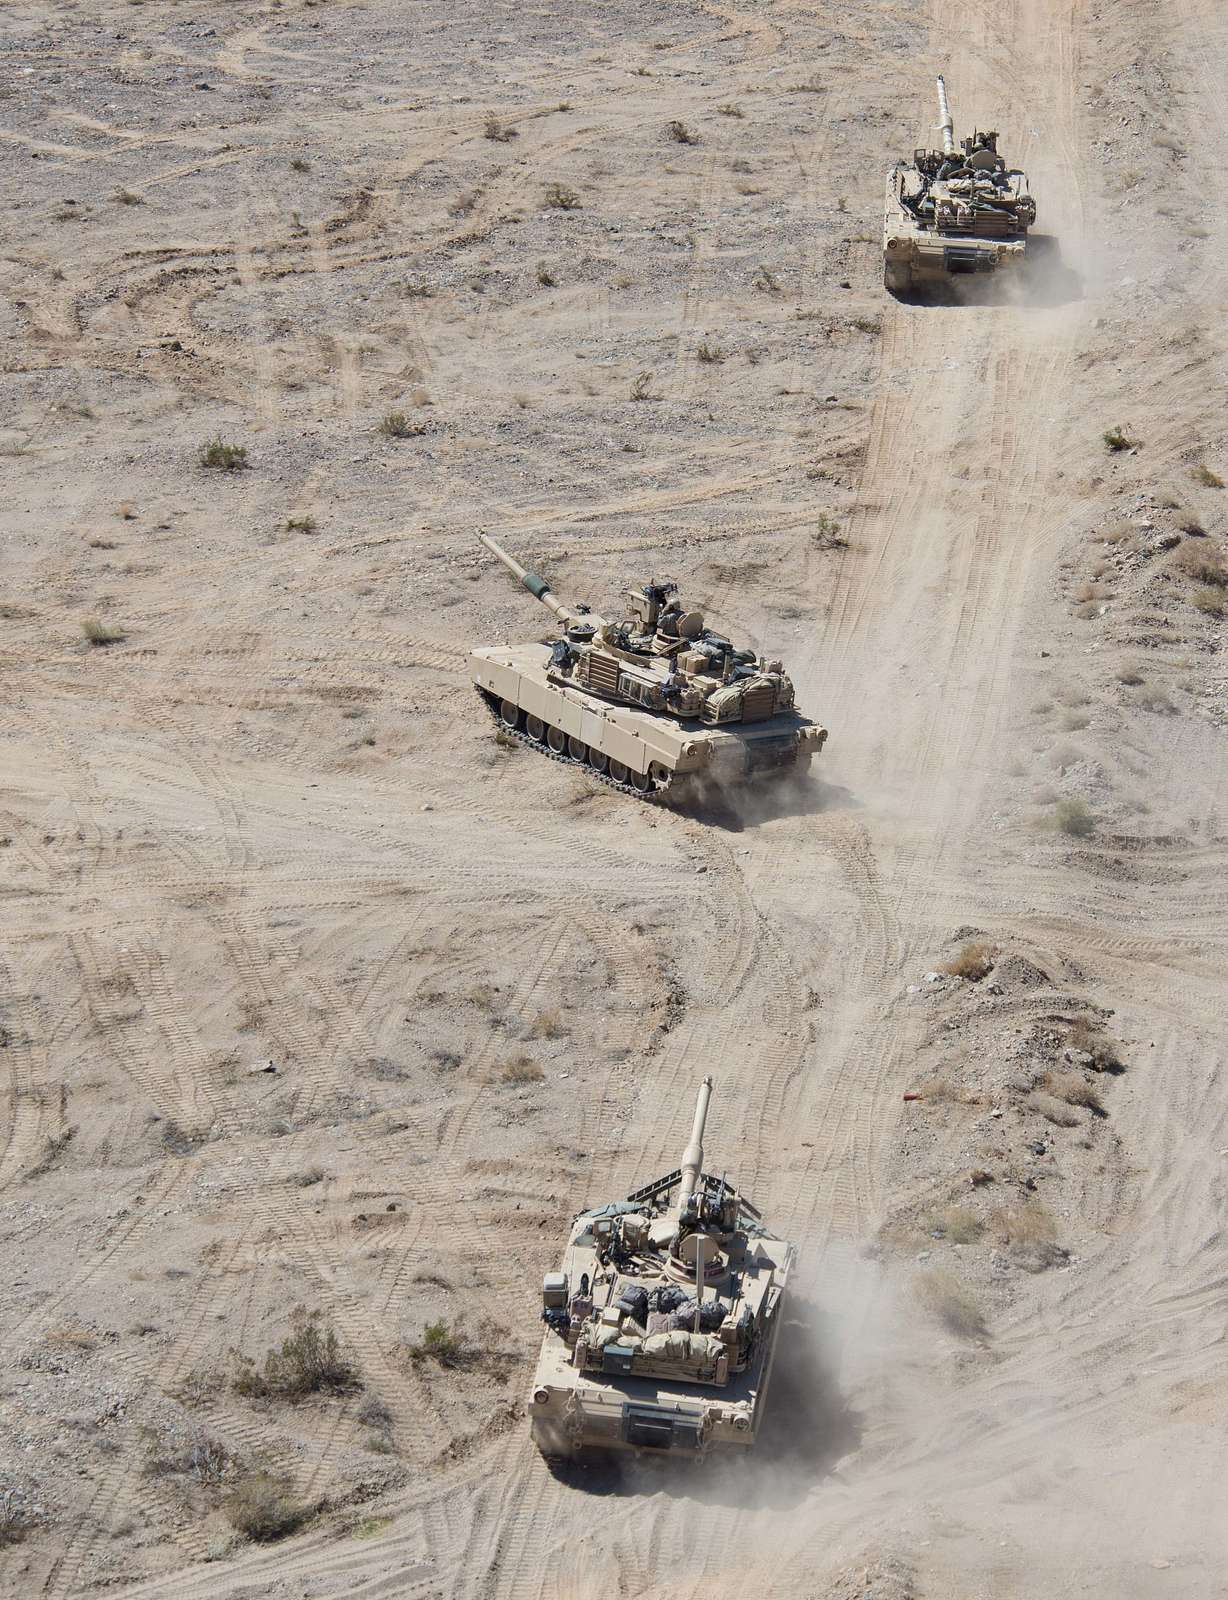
point(954, 211)
point(661, 1322)
point(655, 703)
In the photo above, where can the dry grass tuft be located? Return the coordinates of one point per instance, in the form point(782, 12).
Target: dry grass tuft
point(973, 961)
point(558, 197)
point(1117, 438)
point(126, 197)
point(954, 1306)
point(710, 354)
point(680, 133)
point(499, 131)
point(730, 110)
point(545, 276)
point(263, 1509)
point(1074, 817)
point(1093, 1042)
point(1211, 602)
point(959, 1224)
point(521, 1069)
point(1053, 1110)
point(300, 524)
point(99, 634)
point(547, 1025)
point(397, 425)
point(1075, 1090)
point(1208, 479)
point(1029, 1232)
point(1202, 564)
point(1130, 676)
point(641, 387)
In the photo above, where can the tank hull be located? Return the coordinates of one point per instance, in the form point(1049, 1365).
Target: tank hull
point(577, 1414)
point(914, 255)
point(643, 752)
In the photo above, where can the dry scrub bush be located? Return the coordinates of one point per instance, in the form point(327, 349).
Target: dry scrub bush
point(1191, 523)
point(263, 1509)
point(1130, 676)
point(955, 1308)
point(223, 457)
point(545, 276)
point(679, 132)
point(1202, 565)
point(1030, 1233)
point(522, 1069)
point(710, 354)
point(300, 524)
point(1208, 479)
point(1093, 1042)
point(310, 1361)
point(973, 961)
point(1117, 438)
point(1074, 1090)
point(941, 1090)
point(397, 425)
point(496, 130)
point(1073, 816)
point(1154, 699)
point(558, 197)
point(1211, 602)
point(299, 165)
point(959, 1224)
point(1053, 1110)
point(99, 634)
point(641, 387)
point(547, 1025)
point(731, 110)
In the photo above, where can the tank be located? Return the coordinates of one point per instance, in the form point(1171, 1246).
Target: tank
point(656, 703)
point(954, 211)
point(661, 1320)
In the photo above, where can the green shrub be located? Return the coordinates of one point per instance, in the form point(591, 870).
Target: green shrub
point(309, 1361)
point(222, 456)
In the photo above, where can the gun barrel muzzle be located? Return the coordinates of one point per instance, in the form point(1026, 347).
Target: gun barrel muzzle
point(945, 125)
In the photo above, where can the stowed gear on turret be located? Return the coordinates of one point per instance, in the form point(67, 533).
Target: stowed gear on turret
point(955, 210)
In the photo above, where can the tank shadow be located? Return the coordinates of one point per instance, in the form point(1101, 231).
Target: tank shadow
point(808, 1427)
point(1044, 281)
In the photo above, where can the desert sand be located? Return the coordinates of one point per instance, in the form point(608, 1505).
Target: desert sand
point(254, 814)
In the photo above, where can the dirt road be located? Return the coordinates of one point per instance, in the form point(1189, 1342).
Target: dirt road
point(267, 821)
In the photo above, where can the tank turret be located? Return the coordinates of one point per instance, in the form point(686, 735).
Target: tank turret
point(640, 698)
point(661, 1323)
point(955, 210)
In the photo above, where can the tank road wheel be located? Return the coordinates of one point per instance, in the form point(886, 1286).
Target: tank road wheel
point(577, 749)
point(642, 781)
point(598, 760)
point(535, 728)
point(618, 772)
point(509, 714)
point(557, 740)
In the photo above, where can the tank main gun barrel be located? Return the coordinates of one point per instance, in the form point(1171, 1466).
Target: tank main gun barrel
point(693, 1155)
point(537, 587)
point(945, 125)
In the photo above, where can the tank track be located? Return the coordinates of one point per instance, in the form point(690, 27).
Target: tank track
point(656, 796)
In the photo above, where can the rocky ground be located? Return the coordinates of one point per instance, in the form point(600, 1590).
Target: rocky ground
point(322, 1010)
